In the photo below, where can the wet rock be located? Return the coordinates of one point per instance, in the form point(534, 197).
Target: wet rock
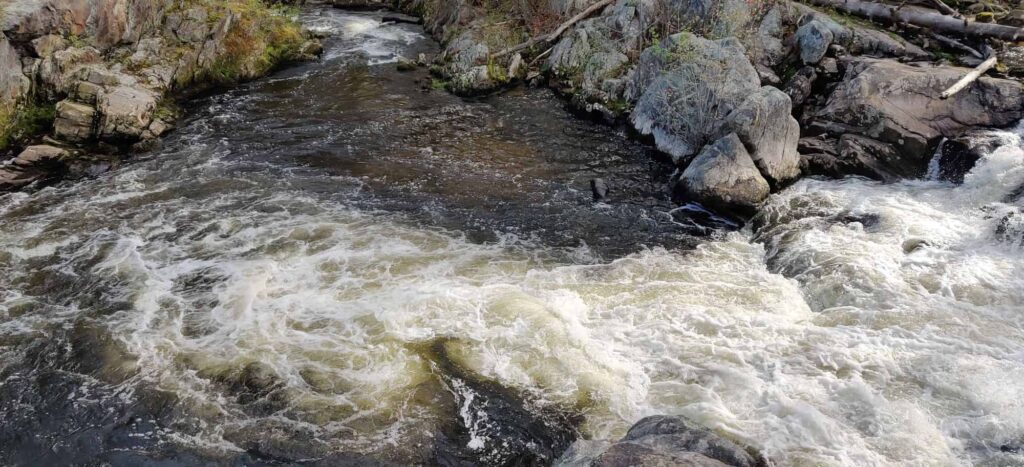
point(724, 177)
point(913, 244)
point(1013, 18)
point(39, 154)
point(813, 39)
point(683, 95)
point(874, 159)
point(681, 434)
point(33, 163)
point(497, 425)
point(75, 121)
point(404, 64)
point(632, 454)
point(766, 127)
point(599, 188)
point(899, 105)
point(666, 441)
point(400, 18)
point(957, 156)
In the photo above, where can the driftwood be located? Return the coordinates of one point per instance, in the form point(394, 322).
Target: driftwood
point(548, 38)
point(946, 9)
point(923, 17)
point(972, 76)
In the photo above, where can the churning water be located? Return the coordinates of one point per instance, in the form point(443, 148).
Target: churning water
point(338, 259)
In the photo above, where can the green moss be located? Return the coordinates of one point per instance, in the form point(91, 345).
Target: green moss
point(261, 37)
point(497, 72)
point(24, 121)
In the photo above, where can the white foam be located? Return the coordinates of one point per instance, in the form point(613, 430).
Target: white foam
point(895, 340)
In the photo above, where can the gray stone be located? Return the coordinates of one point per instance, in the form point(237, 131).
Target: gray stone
point(800, 85)
point(814, 38)
point(766, 127)
point(686, 87)
point(900, 105)
point(724, 177)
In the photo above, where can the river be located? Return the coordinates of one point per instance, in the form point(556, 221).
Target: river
point(341, 263)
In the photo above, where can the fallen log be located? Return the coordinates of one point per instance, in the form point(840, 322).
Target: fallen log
point(946, 9)
point(923, 17)
point(548, 38)
point(949, 42)
point(972, 76)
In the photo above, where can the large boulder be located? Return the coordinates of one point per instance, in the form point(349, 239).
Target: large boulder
point(900, 105)
point(764, 124)
point(685, 87)
point(724, 177)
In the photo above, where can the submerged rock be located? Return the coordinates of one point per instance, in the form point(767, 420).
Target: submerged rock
point(724, 177)
point(663, 440)
point(957, 156)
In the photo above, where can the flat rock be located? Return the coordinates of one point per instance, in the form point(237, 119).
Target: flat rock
point(39, 154)
point(899, 105)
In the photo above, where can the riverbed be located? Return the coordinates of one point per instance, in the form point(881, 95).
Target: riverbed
point(343, 263)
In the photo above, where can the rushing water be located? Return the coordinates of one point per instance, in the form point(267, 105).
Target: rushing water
point(339, 261)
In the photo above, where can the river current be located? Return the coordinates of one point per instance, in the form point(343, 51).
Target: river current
point(340, 263)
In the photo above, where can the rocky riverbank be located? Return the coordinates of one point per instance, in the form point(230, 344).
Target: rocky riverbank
point(746, 97)
point(82, 82)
